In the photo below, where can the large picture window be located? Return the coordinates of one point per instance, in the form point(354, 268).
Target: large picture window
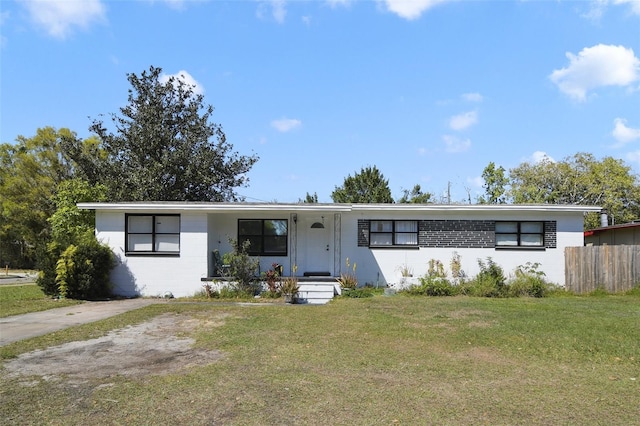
point(267, 237)
point(388, 233)
point(152, 234)
point(519, 234)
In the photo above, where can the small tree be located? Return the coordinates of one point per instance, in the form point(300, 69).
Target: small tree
point(415, 196)
point(243, 269)
point(495, 182)
point(367, 186)
point(75, 264)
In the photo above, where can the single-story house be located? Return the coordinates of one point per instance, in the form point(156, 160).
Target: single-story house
point(173, 246)
point(623, 234)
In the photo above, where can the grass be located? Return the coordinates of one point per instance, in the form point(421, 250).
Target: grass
point(24, 298)
point(380, 360)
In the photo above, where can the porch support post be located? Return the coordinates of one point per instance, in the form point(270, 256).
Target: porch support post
point(293, 242)
point(337, 243)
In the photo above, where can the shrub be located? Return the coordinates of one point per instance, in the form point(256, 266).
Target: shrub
point(210, 291)
point(290, 287)
point(82, 270)
point(348, 280)
point(434, 283)
point(47, 276)
point(272, 279)
point(529, 281)
point(490, 281)
point(243, 269)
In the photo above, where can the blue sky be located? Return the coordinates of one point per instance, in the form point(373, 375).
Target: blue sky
point(429, 91)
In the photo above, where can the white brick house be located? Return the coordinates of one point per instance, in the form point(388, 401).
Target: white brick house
point(169, 246)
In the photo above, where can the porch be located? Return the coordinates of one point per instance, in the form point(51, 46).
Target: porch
point(314, 290)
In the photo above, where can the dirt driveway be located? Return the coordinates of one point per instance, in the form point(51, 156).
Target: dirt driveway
point(155, 347)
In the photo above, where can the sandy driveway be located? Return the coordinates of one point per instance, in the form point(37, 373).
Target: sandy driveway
point(158, 346)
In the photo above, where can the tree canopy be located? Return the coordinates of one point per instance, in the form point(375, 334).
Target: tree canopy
point(367, 186)
point(579, 179)
point(415, 196)
point(30, 171)
point(495, 182)
point(163, 147)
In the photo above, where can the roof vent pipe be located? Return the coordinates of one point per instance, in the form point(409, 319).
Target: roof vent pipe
point(604, 219)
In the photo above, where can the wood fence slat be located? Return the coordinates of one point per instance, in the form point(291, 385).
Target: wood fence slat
point(612, 267)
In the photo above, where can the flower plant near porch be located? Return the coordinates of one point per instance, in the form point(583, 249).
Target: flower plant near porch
point(348, 279)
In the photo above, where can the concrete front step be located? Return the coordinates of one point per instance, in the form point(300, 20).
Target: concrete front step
point(315, 293)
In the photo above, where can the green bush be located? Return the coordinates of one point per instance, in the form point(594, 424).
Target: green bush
point(490, 281)
point(81, 271)
point(529, 281)
point(47, 263)
point(243, 269)
point(433, 286)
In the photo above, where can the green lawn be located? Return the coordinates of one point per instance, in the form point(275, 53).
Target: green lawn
point(24, 298)
point(377, 361)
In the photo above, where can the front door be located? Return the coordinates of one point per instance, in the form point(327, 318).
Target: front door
point(317, 243)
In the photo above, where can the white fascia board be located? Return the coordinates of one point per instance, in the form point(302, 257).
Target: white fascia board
point(214, 207)
point(332, 207)
point(476, 208)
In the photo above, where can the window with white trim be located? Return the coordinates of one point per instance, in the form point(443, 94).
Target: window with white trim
point(267, 237)
point(519, 234)
point(389, 233)
point(152, 234)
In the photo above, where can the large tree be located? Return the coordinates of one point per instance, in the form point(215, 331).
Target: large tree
point(580, 179)
point(367, 186)
point(30, 171)
point(164, 146)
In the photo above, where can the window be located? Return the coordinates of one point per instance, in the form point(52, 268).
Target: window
point(393, 233)
point(519, 234)
point(267, 237)
point(153, 234)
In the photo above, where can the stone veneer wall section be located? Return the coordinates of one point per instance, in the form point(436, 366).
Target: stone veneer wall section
point(550, 239)
point(457, 233)
point(363, 233)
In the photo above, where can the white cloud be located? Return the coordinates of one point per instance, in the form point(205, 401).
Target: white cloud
point(286, 124)
point(472, 97)
point(539, 157)
point(476, 182)
point(597, 8)
point(277, 9)
point(634, 157)
point(622, 133)
point(3, 17)
point(597, 66)
point(198, 89)
point(454, 144)
point(59, 17)
point(336, 3)
point(411, 9)
point(463, 121)
point(634, 5)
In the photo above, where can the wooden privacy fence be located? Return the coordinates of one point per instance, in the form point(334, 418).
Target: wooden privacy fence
point(614, 268)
